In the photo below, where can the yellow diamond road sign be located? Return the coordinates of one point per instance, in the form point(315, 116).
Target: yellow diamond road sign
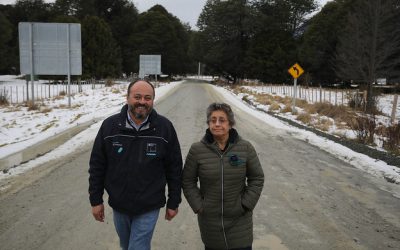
point(296, 71)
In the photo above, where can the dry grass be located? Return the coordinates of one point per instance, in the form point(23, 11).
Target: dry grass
point(304, 118)
point(264, 99)
point(392, 142)
point(301, 103)
point(324, 124)
point(286, 109)
point(13, 109)
point(364, 126)
point(32, 106)
point(4, 98)
point(324, 115)
point(311, 109)
point(75, 118)
point(342, 125)
point(338, 113)
point(45, 109)
point(109, 82)
point(48, 125)
point(59, 97)
point(115, 91)
point(11, 125)
point(274, 106)
point(381, 130)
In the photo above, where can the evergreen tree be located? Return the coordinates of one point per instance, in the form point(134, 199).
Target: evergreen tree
point(5, 38)
point(318, 47)
point(121, 16)
point(101, 55)
point(273, 47)
point(159, 33)
point(226, 27)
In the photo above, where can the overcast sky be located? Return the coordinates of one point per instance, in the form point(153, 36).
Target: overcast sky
point(186, 10)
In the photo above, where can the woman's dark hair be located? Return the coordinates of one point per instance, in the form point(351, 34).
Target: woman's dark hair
point(223, 107)
point(141, 80)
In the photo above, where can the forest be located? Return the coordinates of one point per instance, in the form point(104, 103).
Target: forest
point(347, 41)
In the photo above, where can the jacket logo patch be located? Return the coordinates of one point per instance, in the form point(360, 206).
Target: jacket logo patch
point(117, 147)
point(151, 149)
point(234, 160)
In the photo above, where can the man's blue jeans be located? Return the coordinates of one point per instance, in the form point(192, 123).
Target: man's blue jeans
point(135, 232)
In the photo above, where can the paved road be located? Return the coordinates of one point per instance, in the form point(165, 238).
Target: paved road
point(311, 200)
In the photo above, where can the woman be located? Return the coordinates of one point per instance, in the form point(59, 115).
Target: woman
point(231, 180)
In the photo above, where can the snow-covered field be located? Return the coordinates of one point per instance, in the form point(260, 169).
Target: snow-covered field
point(20, 128)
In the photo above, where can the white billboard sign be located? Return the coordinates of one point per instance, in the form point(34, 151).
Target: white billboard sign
point(50, 48)
point(149, 65)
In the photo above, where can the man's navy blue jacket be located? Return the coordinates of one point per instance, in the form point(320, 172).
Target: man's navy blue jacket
point(135, 166)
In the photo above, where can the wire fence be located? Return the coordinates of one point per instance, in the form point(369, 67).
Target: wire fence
point(16, 94)
point(313, 95)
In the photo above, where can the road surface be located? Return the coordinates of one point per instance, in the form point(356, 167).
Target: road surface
point(311, 200)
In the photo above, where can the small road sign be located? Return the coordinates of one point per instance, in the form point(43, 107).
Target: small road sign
point(296, 70)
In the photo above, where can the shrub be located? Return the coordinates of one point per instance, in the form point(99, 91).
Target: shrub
point(45, 109)
point(109, 82)
point(32, 106)
point(392, 142)
point(301, 103)
point(115, 91)
point(338, 113)
point(304, 118)
point(4, 97)
point(310, 108)
point(274, 106)
point(324, 124)
point(263, 99)
point(287, 108)
point(246, 99)
point(356, 100)
point(364, 127)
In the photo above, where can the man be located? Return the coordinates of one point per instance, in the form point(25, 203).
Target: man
point(135, 154)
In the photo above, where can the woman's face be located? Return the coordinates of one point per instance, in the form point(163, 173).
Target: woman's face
point(219, 124)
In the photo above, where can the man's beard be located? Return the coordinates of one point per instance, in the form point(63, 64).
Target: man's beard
point(139, 116)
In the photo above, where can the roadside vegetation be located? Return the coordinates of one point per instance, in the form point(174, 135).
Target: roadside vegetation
point(345, 122)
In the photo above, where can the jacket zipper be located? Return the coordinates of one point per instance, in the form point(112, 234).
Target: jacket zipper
point(222, 199)
point(222, 194)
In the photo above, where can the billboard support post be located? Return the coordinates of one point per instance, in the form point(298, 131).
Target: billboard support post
point(32, 63)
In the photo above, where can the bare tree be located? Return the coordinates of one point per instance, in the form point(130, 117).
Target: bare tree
point(368, 46)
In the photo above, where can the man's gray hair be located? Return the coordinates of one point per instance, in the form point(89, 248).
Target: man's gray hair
point(223, 107)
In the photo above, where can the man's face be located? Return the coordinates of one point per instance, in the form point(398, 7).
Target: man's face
point(140, 100)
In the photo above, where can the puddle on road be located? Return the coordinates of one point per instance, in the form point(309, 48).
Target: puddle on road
point(270, 242)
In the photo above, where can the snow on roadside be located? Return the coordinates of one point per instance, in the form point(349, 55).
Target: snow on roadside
point(360, 161)
point(375, 167)
point(102, 104)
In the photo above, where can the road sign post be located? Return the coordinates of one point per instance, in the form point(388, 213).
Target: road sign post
point(296, 71)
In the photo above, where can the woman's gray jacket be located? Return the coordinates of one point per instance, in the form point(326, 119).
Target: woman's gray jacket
point(230, 186)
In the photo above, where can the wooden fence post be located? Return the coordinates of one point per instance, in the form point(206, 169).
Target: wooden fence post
point(394, 109)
